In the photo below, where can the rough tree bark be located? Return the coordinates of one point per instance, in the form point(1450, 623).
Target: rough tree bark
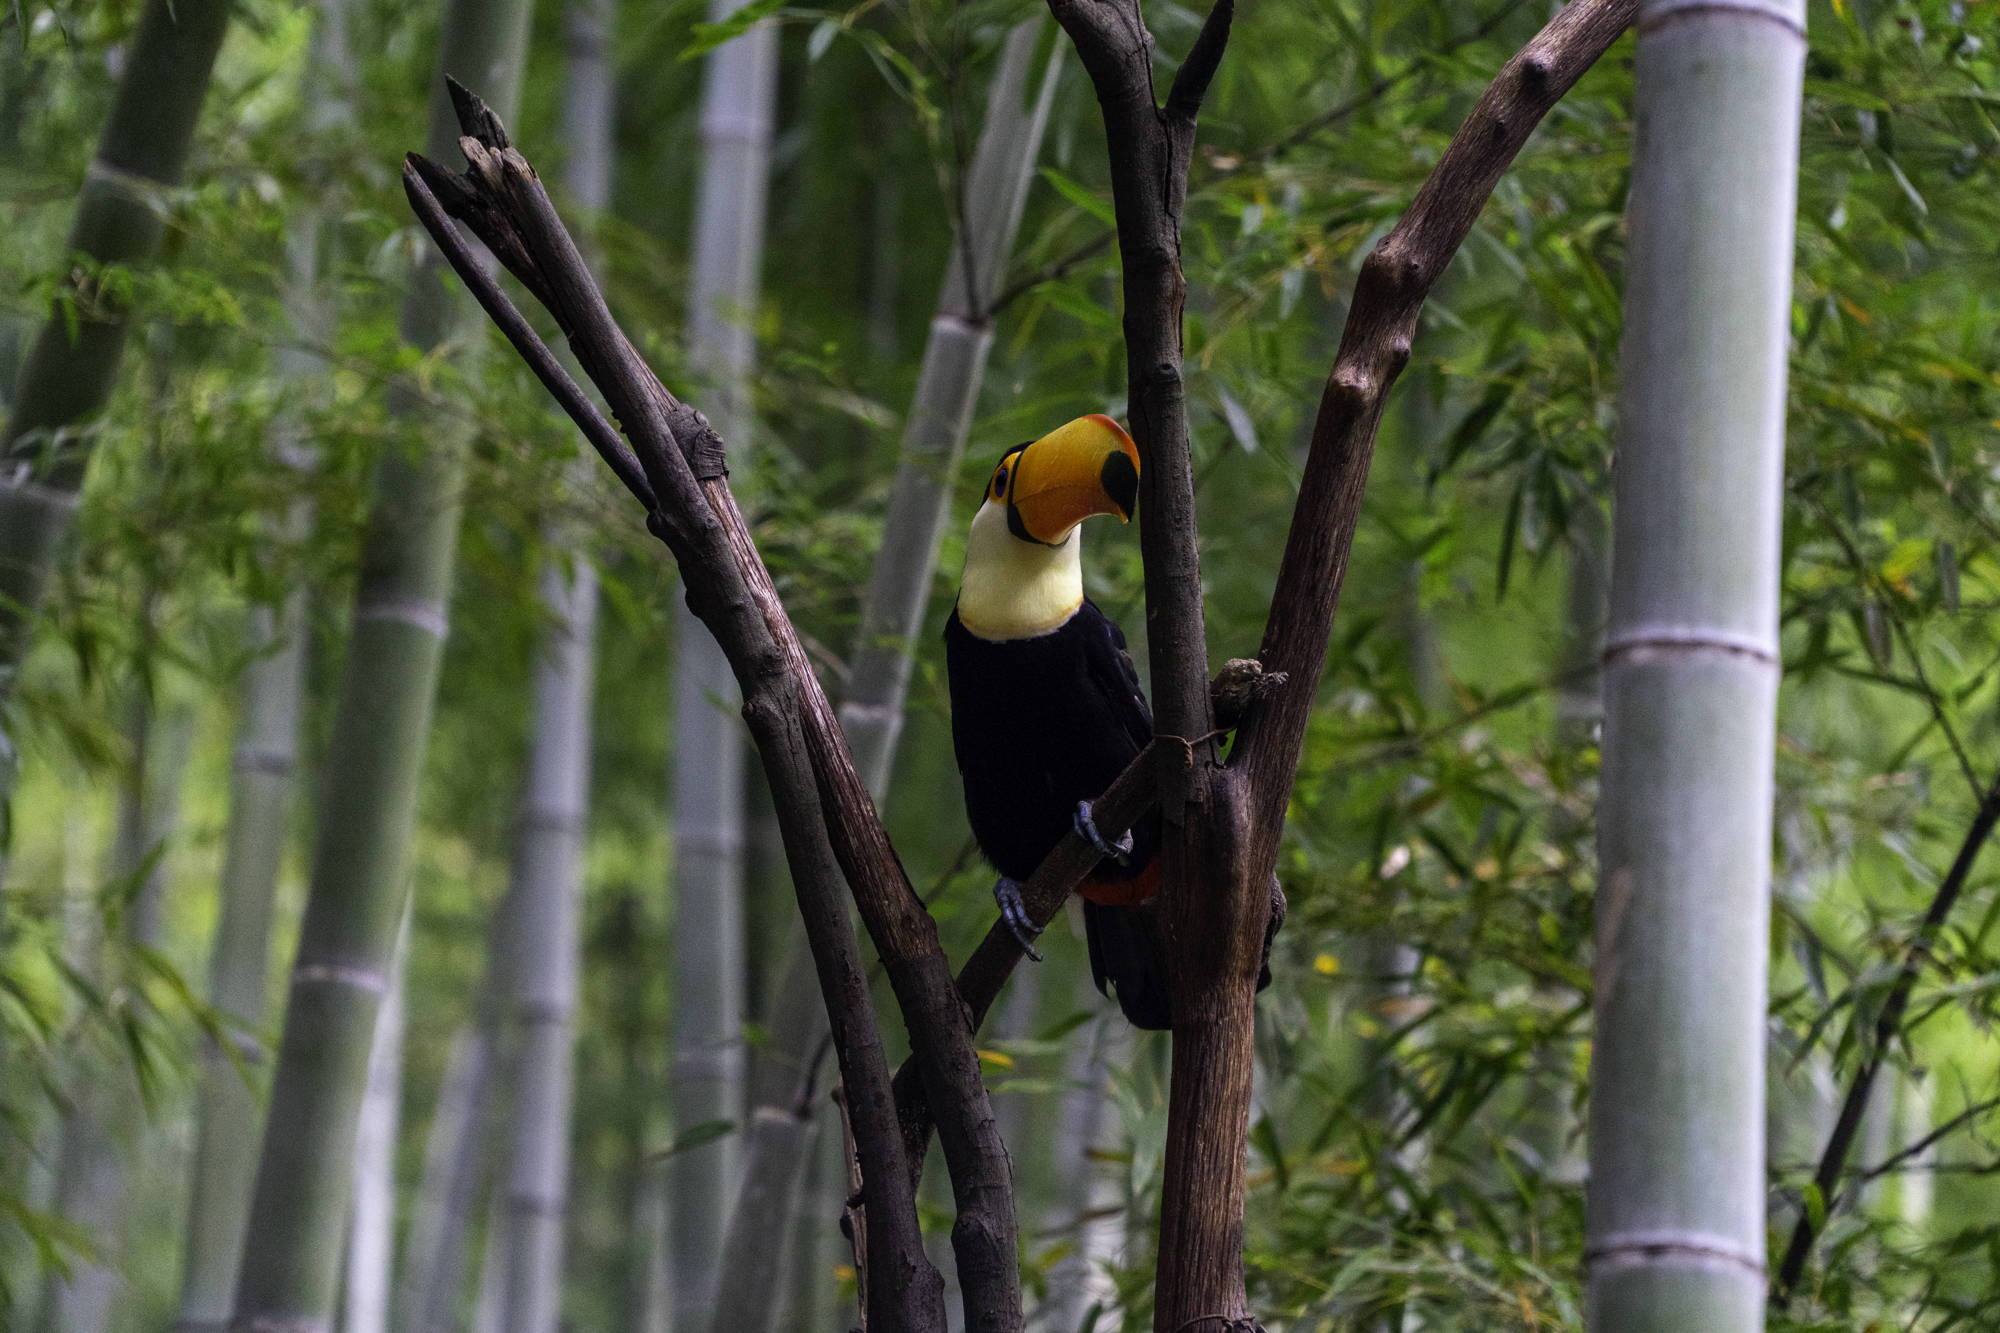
point(829, 825)
point(1224, 822)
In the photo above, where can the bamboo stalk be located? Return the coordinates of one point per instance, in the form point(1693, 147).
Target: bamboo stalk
point(548, 868)
point(458, 1149)
point(371, 1231)
point(381, 726)
point(1675, 1218)
point(105, 1132)
point(738, 102)
point(229, 1109)
point(871, 711)
point(70, 372)
point(940, 417)
point(449, 1188)
point(1093, 1192)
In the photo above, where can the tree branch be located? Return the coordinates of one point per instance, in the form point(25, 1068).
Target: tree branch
point(1191, 80)
point(602, 435)
point(1224, 824)
point(1242, 683)
point(1212, 911)
point(989, 965)
point(1887, 1025)
point(821, 803)
point(1374, 346)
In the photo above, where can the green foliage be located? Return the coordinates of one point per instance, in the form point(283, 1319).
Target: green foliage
point(1417, 1138)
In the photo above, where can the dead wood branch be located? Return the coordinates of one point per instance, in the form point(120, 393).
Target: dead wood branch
point(1224, 823)
point(825, 813)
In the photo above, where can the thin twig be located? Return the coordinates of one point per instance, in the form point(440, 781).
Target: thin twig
point(1916, 955)
point(601, 434)
point(1894, 1161)
point(1057, 269)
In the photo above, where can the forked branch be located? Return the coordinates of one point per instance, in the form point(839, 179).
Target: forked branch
point(1225, 824)
point(824, 812)
point(985, 971)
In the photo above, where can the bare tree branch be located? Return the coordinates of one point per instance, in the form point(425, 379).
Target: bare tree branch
point(822, 804)
point(1212, 913)
point(602, 435)
point(1224, 823)
point(1123, 804)
point(1888, 1024)
point(1375, 345)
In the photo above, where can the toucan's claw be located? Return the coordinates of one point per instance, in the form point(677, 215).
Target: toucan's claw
point(1007, 893)
point(1120, 851)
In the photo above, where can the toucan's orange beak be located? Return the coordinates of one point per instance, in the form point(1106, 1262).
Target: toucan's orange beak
point(1089, 466)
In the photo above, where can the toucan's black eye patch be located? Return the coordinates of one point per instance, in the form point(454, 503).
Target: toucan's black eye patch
point(1121, 482)
point(1000, 483)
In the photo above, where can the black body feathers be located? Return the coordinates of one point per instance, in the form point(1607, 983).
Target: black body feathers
point(1039, 724)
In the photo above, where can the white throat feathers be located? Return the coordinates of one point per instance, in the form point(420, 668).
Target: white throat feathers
point(1015, 589)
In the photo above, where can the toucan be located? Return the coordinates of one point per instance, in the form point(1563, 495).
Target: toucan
point(1046, 706)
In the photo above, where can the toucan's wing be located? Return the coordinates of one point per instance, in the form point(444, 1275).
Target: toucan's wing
point(1113, 675)
point(1114, 687)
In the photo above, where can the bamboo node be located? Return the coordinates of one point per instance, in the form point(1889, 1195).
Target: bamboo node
point(357, 976)
point(1646, 641)
point(1698, 1249)
point(1787, 14)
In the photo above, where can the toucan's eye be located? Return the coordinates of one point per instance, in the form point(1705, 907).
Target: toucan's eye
point(1000, 484)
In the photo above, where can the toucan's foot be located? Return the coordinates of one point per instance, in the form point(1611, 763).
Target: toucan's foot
point(1119, 851)
point(1007, 893)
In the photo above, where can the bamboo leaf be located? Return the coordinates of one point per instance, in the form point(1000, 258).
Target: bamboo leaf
point(1264, 1135)
point(706, 1132)
point(1509, 530)
point(708, 36)
point(821, 39)
point(1079, 195)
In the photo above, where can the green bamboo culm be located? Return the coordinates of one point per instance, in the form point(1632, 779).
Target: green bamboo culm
point(229, 1109)
point(738, 104)
point(548, 856)
point(298, 1210)
point(69, 374)
point(777, 1148)
point(1675, 1215)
